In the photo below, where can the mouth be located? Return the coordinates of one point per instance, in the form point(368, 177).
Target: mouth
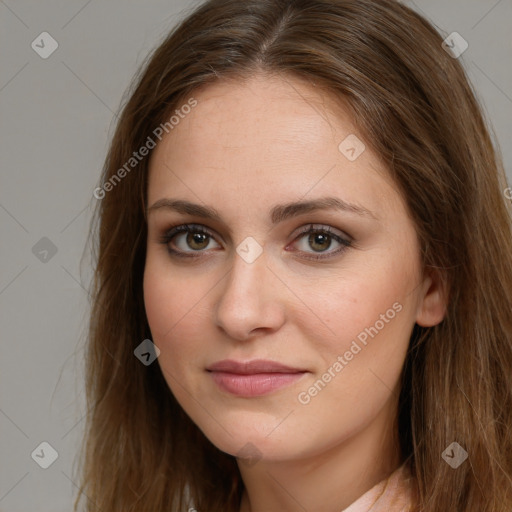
point(253, 378)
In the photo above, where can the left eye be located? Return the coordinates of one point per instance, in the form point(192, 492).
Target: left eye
point(320, 239)
point(196, 238)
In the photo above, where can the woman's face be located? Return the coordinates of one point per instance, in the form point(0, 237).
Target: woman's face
point(270, 158)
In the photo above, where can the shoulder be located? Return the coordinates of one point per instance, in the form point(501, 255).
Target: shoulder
point(397, 493)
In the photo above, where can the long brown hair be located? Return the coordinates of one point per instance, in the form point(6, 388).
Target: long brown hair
point(415, 107)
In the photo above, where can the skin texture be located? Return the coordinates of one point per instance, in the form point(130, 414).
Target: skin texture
point(244, 148)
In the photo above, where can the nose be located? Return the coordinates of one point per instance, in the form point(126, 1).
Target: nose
point(250, 301)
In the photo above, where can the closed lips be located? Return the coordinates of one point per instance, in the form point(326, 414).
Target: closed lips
point(252, 367)
point(253, 378)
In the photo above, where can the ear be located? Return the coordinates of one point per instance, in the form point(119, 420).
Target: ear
point(433, 300)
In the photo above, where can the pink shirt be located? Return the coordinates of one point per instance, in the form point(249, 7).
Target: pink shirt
point(397, 493)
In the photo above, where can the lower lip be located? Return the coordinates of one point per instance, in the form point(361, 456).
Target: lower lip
point(257, 384)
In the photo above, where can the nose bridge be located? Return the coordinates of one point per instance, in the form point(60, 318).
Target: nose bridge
point(249, 298)
point(245, 284)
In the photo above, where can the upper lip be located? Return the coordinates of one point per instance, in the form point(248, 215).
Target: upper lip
point(252, 367)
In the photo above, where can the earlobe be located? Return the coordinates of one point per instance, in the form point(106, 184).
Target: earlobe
point(433, 302)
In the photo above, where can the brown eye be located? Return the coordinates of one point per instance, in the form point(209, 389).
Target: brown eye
point(318, 239)
point(187, 239)
point(197, 241)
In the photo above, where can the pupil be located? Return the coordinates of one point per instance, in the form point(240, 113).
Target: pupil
point(197, 238)
point(319, 239)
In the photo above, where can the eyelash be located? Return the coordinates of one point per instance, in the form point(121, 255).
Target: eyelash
point(197, 228)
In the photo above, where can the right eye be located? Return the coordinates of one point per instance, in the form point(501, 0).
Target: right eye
point(193, 238)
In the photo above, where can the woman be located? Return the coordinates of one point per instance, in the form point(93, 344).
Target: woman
point(304, 281)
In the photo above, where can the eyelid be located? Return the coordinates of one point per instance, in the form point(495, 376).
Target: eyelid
point(179, 229)
point(323, 228)
point(339, 236)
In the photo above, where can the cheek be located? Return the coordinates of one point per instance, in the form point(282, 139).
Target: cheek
point(165, 305)
point(169, 296)
point(366, 318)
point(348, 304)
point(370, 318)
point(175, 312)
point(160, 302)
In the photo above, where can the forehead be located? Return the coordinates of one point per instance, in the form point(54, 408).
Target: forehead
point(269, 137)
point(233, 114)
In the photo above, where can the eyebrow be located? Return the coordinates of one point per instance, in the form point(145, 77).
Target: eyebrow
point(278, 213)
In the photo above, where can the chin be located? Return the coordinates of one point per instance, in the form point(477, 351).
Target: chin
point(249, 435)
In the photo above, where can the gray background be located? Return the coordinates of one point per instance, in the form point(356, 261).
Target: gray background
point(56, 117)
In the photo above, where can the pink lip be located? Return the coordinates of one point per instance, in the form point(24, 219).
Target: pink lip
point(253, 378)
